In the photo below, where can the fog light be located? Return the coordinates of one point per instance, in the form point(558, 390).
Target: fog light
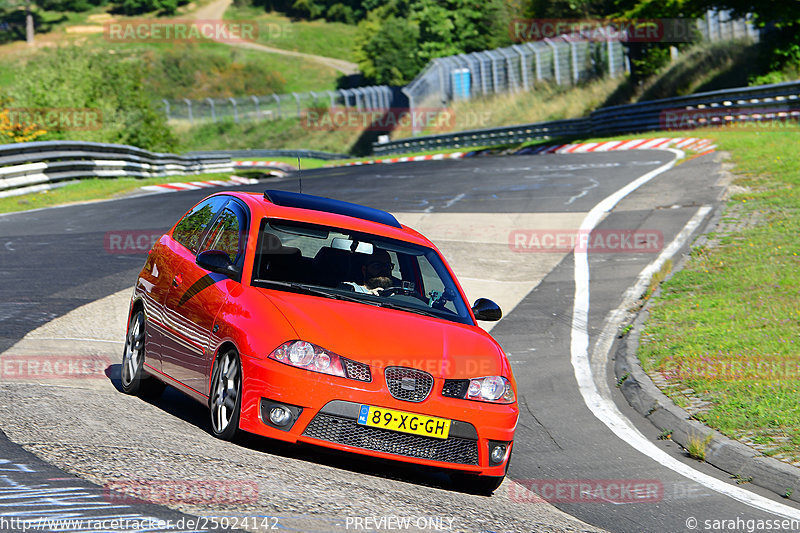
point(498, 454)
point(279, 416)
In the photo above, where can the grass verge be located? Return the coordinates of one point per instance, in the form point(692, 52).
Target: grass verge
point(545, 102)
point(92, 189)
point(285, 133)
point(317, 37)
point(306, 163)
point(725, 331)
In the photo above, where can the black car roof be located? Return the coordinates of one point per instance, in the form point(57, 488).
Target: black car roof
point(329, 205)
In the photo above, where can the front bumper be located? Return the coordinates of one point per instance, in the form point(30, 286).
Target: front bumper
point(327, 409)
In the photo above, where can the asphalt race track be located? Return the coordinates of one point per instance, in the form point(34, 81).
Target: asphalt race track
point(64, 293)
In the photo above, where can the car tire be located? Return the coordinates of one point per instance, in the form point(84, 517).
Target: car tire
point(476, 484)
point(225, 399)
point(486, 485)
point(132, 375)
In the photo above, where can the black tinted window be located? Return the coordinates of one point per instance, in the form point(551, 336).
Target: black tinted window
point(226, 235)
point(191, 227)
point(346, 264)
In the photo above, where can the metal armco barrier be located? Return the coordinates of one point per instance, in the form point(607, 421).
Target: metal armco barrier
point(38, 166)
point(776, 102)
point(257, 152)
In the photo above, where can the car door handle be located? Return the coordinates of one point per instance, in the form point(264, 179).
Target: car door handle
point(177, 280)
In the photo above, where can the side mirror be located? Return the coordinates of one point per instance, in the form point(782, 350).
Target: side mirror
point(485, 309)
point(217, 261)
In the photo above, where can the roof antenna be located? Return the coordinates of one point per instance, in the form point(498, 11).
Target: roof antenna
point(299, 176)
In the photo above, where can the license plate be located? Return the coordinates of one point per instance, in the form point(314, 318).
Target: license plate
point(415, 424)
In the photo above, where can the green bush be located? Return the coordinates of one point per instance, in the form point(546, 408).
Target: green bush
point(193, 71)
point(114, 87)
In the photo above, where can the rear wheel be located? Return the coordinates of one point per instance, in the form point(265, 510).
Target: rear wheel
point(134, 379)
point(226, 395)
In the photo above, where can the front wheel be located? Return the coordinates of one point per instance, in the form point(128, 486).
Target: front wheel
point(476, 484)
point(134, 379)
point(486, 485)
point(226, 395)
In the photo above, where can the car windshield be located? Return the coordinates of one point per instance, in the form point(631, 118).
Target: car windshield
point(348, 265)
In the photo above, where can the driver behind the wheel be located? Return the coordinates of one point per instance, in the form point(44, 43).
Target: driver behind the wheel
point(377, 270)
point(376, 273)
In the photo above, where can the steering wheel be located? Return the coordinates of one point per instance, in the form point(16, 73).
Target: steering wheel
point(391, 291)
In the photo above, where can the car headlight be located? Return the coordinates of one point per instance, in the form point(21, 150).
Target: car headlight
point(495, 389)
point(302, 354)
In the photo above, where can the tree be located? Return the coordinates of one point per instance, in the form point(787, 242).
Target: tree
point(782, 17)
point(31, 20)
point(347, 11)
point(569, 9)
point(386, 48)
point(137, 7)
point(397, 39)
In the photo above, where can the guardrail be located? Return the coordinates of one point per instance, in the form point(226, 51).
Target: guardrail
point(259, 153)
point(38, 166)
point(780, 101)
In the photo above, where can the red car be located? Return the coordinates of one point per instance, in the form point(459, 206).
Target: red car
point(313, 320)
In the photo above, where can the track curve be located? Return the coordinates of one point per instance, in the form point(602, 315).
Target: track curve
point(57, 260)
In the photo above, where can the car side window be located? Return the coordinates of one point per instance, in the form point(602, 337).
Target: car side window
point(225, 235)
point(190, 229)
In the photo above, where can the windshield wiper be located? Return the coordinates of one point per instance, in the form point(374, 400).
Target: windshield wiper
point(314, 290)
point(416, 310)
point(327, 293)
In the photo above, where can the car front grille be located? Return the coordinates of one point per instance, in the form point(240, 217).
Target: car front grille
point(357, 371)
point(408, 384)
point(347, 431)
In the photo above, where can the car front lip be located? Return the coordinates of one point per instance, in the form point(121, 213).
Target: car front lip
point(329, 400)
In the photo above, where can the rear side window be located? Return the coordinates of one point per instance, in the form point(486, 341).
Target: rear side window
point(189, 231)
point(226, 235)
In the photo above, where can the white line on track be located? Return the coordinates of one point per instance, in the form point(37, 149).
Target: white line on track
point(454, 199)
point(604, 409)
point(584, 191)
point(614, 320)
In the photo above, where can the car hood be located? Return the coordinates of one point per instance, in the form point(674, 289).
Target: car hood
point(384, 337)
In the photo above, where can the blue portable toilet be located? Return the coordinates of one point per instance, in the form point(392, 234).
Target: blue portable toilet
point(461, 78)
